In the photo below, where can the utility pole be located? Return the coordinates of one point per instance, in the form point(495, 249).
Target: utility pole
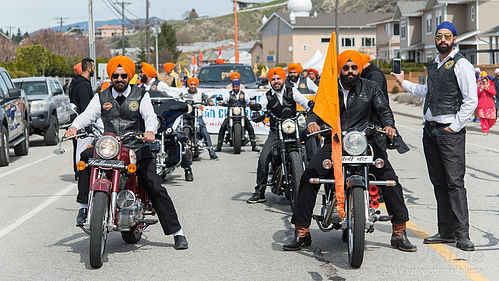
point(60, 20)
point(123, 3)
point(10, 30)
point(157, 30)
point(91, 38)
point(277, 41)
point(336, 28)
point(147, 30)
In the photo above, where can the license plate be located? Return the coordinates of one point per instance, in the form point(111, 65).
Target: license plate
point(357, 159)
point(115, 164)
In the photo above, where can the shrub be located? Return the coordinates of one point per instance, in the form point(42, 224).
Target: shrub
point(395, 89)
point(21, 74)
point(12, 74)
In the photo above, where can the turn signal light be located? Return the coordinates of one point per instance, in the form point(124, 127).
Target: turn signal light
point(266, 120)
point(374, 204)
point(132, 168)
point(81, 166)
point(201, 107)
point(373, 190)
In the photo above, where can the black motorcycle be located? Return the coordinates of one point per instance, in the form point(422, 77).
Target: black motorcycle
point(287, 157)
point(191, 129)
point(361, 191)
point(236, 135)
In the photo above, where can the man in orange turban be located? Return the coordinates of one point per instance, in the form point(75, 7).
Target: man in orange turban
point(303, 84)
point(313, 74)
point(277, 100)
point(167, 77)
point(149, 78)
point(359, 100)
point(128, 109)
point(235, 76)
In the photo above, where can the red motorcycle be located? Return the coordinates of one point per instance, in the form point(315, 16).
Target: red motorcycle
point(116, 201)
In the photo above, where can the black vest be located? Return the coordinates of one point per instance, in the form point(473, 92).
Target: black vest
point(276, 107)
point(444, 95)
point(303, 87)
point(238, 100)
point(125, 118)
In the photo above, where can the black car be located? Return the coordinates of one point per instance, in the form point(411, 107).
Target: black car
point(14, 124)
point(218, 75)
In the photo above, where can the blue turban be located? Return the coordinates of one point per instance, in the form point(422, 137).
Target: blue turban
point(236, 83)
point(448, 26)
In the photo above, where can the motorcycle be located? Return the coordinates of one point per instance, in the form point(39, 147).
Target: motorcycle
point(116, 201)
point(171, 145)
point(236, 135)
point(361, 192)
point(191, 130)
point(288, 159)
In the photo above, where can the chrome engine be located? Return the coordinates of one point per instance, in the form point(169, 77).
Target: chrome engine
point(129, 210)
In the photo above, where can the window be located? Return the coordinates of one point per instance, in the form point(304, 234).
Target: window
point(387, 28)
point(3, 88)
point(325, 39)
point(396, 53)
point(396, 29)
point(438, 17)
point(428, 24)
point(472, 13)
point(305, 47)
point(368, 42)
point(402, 30)
point(348, 42)
point(8, 82)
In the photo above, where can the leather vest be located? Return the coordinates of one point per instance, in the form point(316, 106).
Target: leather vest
point(154, 86)
point(444, 95)
point(276, 107)
point(237, 100)
point(303, 87)
point(125, 118)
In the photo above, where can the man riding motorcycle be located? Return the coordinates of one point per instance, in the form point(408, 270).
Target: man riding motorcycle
point(303, 84)
point(275, 100)
point(359, 99)
point(128, 108)
point(236, 97)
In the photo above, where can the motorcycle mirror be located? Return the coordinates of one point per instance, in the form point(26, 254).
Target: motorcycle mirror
point(256, 107)
point(71, 107)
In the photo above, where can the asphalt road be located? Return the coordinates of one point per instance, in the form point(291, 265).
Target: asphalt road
point(232, 240)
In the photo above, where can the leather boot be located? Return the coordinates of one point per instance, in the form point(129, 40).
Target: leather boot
point(219, 147)
point(188, 174)
point(399, 238)
point(302, 239)
point(253, 146)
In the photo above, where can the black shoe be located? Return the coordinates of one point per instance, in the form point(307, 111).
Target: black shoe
point(180, 242)
point(257, 197)
point(188, 175)
point(403, 243)
point(82, 215)
point(254, 148)
point(298, 242)
point(218, 149)
point(440, 238)
point(465, 244)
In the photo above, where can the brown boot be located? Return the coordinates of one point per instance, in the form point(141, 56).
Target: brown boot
point(399, 238)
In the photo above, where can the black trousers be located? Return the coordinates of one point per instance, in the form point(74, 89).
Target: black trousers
point(262, 171)
point(445, 158)
point(247, 127)
point(394, 198)
point(149, 180)
point(206, 136)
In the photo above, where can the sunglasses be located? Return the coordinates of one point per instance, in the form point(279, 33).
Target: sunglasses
point(347, 67)
point(440, 36)
point(123, 76)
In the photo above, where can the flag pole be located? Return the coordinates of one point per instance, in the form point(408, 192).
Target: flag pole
point(236, 53)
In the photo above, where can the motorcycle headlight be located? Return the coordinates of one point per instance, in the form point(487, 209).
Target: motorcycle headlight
point(236, 110)
point(133, 157)
point(38, 105)
point(107, 147)
point(354, 143)
point(288, 126)
point(302, 122)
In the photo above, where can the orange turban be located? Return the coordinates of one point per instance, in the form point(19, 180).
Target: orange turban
point(353, 56)
point(235, 75)
point(193, 79)
point(77, 68)
point(365, 58)
point(296, 67)
point(277, 71)
point(168, 66)
point(122, 61)
point(104, 86)
point(314, 71)
point(148, 69)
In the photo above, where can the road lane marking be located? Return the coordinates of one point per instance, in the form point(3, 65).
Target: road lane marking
point(36, 210)
point(27, 165)
point(472, 144)
point(446, 253)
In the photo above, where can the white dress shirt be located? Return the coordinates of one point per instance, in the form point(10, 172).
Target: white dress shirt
point(345, 94)
point(465, 75)
point(297, 96)
point(310, 84)
point(161, 86)
point(93, 112)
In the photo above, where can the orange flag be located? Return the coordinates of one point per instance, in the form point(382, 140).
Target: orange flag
point(327, 107)
point(201, 57)
point(194, 61)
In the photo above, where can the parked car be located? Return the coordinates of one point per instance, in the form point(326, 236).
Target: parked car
point(218, 75)
point(47, 102)
point(14, 124)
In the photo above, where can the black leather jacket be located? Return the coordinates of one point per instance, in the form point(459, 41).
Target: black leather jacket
point(363, 101)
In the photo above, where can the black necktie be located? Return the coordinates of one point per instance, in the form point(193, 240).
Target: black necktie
point(120, 99)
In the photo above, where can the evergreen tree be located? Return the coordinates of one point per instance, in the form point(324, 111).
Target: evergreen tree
point(167, 43)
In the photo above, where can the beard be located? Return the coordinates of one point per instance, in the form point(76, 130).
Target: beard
point(277, 86)
point(349, 82)
point(293, 78)
point(444, 48)
point(92, 73)
point(120, 87)
point(143, 78)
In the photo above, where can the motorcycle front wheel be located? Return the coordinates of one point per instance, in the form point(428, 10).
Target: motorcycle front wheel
point(296, 169)
point(356, 223)
point(98, 229)
point(237, 138)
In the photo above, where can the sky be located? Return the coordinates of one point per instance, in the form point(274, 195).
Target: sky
point(31, 15)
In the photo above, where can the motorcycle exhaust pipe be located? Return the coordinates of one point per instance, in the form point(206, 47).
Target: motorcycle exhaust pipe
point(374, 204)
point(373, 190)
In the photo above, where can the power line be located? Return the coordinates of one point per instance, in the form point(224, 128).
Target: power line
point(111, 9)
point(123, 3)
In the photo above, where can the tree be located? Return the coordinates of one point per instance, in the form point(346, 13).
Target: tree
point(7, 50)
point(36, 55)
point(193, 15)
point(167, 43)
point(58, 66)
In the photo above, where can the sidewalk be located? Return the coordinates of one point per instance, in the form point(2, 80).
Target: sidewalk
point(417, 112)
